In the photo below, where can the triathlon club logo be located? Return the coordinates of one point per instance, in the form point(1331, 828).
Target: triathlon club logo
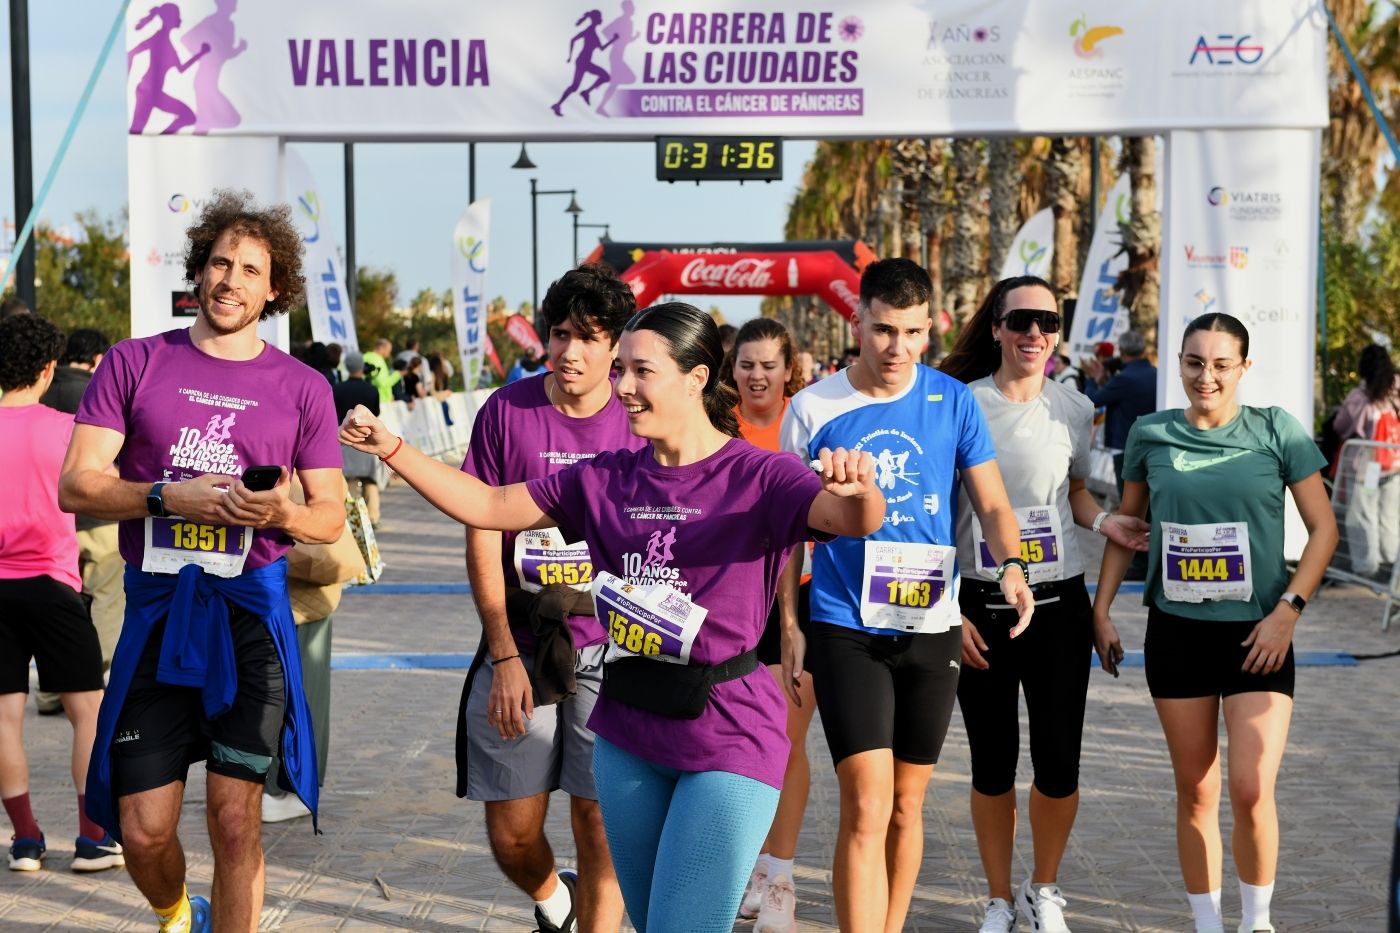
point(473, 250)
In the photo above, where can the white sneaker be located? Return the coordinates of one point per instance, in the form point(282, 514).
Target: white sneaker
point(753, 895)
point(779, 908)
point(1044, 905)
point(1001, 917)
point(281, 809)
point(1256, 927)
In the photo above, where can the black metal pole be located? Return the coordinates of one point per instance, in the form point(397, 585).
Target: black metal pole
point(471, 173)
point(24, 163)
point(534, 256)
point(1094, 182)
point(575, 262)
point(351, 279)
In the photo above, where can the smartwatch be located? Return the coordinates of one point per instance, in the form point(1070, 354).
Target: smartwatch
point(1098, 522)
point(1014, 562)
point(155, 504)
point(1297, 602)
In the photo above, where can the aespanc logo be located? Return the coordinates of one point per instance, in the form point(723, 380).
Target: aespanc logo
point(1226, 49)
point(1087, 38)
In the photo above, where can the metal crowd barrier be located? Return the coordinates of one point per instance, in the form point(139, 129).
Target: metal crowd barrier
point(1366, 500)
point(439, 428)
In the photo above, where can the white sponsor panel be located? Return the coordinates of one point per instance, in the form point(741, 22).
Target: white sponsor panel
point(1033, 248)
point(169, 183)
point(469, 257)
point(327, 297)
point(1099, 314)
point(635, 69)
point(1241, 237)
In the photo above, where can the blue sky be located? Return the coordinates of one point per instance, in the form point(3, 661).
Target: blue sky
point(408, 196)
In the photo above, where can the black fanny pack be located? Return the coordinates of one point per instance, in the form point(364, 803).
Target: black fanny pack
point(678, 691)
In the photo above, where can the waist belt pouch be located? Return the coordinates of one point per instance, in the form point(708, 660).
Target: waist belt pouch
point(546, 615)
point(677, 691)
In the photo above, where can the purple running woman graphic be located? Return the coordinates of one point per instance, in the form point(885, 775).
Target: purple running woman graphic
point(150, 90)
point(622, 35)
point(212, 109)
point(584, 64)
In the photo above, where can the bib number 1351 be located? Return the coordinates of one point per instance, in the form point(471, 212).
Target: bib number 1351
point(193, 537)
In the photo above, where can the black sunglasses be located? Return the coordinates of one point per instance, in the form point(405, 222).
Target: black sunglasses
point(1021, 319)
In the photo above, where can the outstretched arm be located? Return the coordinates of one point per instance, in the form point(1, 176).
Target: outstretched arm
point(456, 494)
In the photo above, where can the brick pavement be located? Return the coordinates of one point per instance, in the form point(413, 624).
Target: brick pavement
point(400, 852)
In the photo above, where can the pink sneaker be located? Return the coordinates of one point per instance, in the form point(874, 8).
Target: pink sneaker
point(779, 907)
point(753, 895)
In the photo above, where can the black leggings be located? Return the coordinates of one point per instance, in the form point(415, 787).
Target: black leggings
point(1050, 662)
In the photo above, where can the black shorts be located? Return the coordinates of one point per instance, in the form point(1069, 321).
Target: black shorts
point(770, 643)
point(1189, 658)
point(48, 621)
point(162, 728)
point(884, 691)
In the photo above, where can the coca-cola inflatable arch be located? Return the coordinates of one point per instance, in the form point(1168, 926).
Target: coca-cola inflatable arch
point(829, 269)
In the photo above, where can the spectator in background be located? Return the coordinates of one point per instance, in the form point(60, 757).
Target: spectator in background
point(528, 364)
point(1066, 374)
point(99, 564)
point(1371, 412)
point(378, 371)
point(728, 333)
point(807, 368)
point(12, 306)
point(1126, 397)
point(333, 370)
point(41, 614)
point(364, 474)
point(850, 356)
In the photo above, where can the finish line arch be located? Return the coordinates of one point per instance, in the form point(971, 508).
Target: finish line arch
point(829, 269)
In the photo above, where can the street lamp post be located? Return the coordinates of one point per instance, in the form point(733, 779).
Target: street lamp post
point(573, 208)
point(578, 226)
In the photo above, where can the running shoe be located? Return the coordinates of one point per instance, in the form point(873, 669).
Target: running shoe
point(777, 915)
point(753, 895)
point(283, 808)
point(26, 853)
point(1044, 905)
point(569, 878)
point(1256, 928)
point(199, 915)
point(1000, 918)
point(97, 854)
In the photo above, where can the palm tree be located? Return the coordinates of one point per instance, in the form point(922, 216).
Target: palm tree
point(1140, 283)
point(1063, 170)
point(966, 258)
point(1003, 201)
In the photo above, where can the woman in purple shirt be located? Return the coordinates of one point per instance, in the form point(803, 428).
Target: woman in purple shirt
point(688, 536)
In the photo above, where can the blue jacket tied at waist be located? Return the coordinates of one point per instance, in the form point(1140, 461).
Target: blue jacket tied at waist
point(197, 651)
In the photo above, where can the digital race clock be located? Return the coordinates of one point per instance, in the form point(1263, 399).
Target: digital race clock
point(719, 158)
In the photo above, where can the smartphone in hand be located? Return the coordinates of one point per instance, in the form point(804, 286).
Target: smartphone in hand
point(261, 478)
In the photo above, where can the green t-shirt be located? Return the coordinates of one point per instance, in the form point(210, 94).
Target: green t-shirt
point(1234, 473)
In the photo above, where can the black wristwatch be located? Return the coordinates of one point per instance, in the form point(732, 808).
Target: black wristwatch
point(155, 503)
point(1014, 562)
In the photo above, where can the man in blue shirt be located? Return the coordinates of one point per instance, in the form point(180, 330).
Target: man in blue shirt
point(1126, 397)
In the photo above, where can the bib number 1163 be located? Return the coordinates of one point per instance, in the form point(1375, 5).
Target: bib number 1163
point(914, 593)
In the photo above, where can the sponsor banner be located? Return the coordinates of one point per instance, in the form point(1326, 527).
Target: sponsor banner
point(169, 182)
point(521, 331)
point(1241, 237)
point(1099, 315)
point(1033, 248)
point(327, 297)
point(633, 69)
point(469, 257)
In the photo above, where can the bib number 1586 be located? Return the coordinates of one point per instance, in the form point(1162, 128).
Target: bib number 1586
point(630, 635)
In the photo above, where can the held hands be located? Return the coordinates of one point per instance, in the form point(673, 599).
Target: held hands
point(363, 431)
point(1268, 642)
point(973, 646)
point(512, 700)
point(217, 499)
point(1017, 592)
point(1106, 643)
point(847, 473)
point(1131, 532)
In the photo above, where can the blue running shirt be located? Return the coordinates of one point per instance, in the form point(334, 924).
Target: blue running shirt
point(919, 439)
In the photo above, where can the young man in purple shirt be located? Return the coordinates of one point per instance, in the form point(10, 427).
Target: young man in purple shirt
point(207, 664)
point(511, 752)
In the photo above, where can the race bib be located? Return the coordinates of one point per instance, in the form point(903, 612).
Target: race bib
point(542, 558)
point(909, 587)
point(649, 621)
point(1201, 562)
point(172, 543)
point(1041, 539)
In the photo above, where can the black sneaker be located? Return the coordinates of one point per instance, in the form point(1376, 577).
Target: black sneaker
point(569, 878)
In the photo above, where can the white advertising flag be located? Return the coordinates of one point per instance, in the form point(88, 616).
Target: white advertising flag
point(1033, 248)
point(469, 258)
point(327, 297)
point(1099, 314)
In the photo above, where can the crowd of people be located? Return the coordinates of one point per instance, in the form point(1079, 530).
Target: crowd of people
point(681, 545)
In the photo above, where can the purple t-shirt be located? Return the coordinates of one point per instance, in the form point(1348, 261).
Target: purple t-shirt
point(185, 413)
point(720, 531)
point(518, 436)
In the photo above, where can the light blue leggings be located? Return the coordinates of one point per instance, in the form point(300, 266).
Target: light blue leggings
point(683, 842)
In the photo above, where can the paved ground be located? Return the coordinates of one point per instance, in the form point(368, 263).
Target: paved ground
point(400, 852)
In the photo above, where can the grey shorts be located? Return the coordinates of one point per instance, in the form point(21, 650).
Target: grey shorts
point(556, 752)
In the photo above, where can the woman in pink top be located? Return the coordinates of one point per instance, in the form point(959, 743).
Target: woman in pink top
point(1371, 412)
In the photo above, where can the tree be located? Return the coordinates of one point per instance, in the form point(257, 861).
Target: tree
point(1140, 283)
point(966, 256)
point(1003, 180)
point(1063, 169)
point(85, 281)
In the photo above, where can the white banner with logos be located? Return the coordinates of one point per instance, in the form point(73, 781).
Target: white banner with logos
point(169, 183)
point(1099, 315)
point(632, 69)
point(1033, 247)
point(327, 297)
point(469, 258)
point(1240, 236)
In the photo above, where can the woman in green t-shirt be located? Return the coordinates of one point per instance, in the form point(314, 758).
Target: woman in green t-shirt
point(1221, 604)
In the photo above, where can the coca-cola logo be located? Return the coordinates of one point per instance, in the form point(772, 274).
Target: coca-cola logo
point(841, 290)
point(742, 273)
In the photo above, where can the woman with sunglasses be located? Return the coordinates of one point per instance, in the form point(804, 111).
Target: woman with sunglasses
point(1222, 605)
point(1041, 431)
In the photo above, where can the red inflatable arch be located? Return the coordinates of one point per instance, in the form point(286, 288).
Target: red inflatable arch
point(829, 269)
